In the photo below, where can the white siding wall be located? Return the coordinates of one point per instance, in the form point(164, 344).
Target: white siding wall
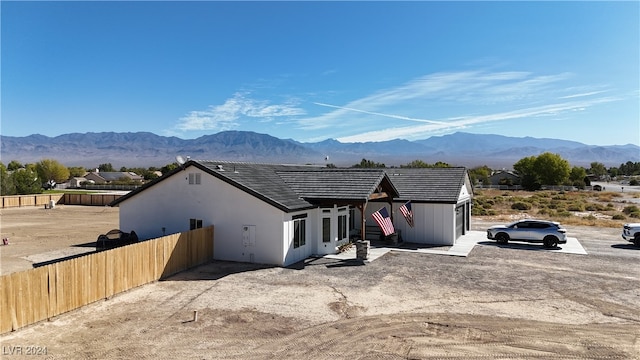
point(172, 202)
point(433, 223)
point(290, 254)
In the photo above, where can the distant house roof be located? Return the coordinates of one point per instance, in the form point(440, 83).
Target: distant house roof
point(116, 175)
point(440, 185)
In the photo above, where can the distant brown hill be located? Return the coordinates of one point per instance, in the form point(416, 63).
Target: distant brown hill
point(148, 149)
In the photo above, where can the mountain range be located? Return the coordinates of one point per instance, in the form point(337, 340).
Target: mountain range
point(144, 149)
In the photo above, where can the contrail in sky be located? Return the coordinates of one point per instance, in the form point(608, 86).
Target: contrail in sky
point(385, 115)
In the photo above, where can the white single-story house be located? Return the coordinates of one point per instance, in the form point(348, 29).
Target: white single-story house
point(282, 214)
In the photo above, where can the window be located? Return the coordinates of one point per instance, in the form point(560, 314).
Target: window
point(299, 230)
point(326, 229)
point(342, 227)
point(194, 178)
point(195, 224)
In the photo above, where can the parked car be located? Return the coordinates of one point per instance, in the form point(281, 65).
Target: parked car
point(115, 238)
point(549, 233)
point(631, 233)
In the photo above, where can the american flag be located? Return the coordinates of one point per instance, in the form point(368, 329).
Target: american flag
point(405, 209)
point(384, 221)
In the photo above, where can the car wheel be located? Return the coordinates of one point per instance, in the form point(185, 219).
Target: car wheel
point(502, 238)
point(550, 242)
point(636, 240)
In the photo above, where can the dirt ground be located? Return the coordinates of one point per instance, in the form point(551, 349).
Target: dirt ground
point(514, 301)
point(37, 235)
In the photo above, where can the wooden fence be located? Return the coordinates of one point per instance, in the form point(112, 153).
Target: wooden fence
point(66, 199)
point(29, 200)
point(44, 292)
point(88, 199)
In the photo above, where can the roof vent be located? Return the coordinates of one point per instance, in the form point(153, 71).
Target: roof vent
point(219, 167)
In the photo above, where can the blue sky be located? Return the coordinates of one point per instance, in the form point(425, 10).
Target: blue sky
point(352, 71)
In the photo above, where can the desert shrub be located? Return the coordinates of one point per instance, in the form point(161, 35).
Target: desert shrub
point(635, 215)
point(520, 206)
point(631, 209)
point(478, 211)
point(564, 213)
point(575, 207)
point(618, 217)
point(609, 205)
point(594, 207)
point(543, 211)
point(633, 182)
point(590, 217)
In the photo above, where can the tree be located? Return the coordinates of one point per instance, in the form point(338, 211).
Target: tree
point(577, 177)
point(545, 169)
point(106, 167)
point(168, 168)
point(598, 169)
point(6, 182)
point(77, 171)
point(480, 174)
point(26, 181)
point(552, 169)
point(14, 165)
point(416, 164)
point(364, 163)
point(51, 170)
point(525, 168)
point(422, 164)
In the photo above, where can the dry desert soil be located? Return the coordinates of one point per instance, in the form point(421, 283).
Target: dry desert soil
point(514, 301)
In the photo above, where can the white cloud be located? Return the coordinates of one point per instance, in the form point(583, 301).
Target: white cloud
point(500, 95)
point(227, 116)
point(420, 131)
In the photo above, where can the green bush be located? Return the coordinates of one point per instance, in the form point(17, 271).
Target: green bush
point(564, 213)
point(520, 206)
point(630, 209)
point(618, 217)
point(575, 207)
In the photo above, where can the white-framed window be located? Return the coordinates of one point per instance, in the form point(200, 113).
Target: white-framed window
point(326, 229)
point(195, 178)
point(342, 227)
point(299, 230)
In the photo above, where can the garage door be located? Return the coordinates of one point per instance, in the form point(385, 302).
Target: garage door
point(459, 220)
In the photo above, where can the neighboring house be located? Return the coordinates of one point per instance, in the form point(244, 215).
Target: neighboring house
point(76, 182)
point(282, 214)
point(503, 177)
point(106, 177)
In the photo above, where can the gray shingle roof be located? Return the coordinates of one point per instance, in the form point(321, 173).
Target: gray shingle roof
point(428, 184)
point(344, 184)
point(260, 180)
point(299, 187)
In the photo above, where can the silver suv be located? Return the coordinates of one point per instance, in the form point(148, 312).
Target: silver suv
point(631, 232)
point(549, 233)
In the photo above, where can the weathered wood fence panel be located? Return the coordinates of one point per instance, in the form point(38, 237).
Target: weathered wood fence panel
point(44, 292)
point(29, 200)
point(63, 199)
point(88, 199)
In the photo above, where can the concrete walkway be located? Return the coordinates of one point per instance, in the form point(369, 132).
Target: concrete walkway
point(462, 247)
